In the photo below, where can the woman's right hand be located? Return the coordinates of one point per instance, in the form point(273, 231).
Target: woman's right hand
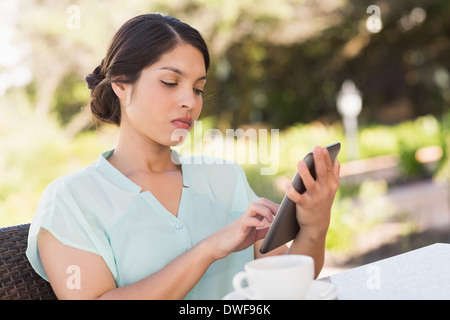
point(244, 231)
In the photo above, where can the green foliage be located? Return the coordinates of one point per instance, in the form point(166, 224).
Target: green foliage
point(352, 215)
point(70, 98)
point(296, 141)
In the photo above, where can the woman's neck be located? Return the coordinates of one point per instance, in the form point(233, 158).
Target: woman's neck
point(135, 153)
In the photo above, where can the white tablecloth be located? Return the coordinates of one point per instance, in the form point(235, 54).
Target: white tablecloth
point(419, 274)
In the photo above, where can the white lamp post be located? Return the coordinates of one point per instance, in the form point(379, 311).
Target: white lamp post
point(349, 105)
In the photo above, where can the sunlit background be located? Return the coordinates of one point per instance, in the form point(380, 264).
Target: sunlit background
point(373, 75)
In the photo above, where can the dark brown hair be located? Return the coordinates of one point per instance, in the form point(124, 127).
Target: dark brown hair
point(139, 43)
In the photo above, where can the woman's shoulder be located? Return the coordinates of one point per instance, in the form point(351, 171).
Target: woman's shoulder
point(71, 179)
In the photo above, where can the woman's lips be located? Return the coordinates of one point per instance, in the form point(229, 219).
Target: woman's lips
point(182, 123)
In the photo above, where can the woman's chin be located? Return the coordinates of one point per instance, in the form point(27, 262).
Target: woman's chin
point(178, 137)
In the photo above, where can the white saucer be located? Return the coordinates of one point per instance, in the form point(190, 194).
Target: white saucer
point(319, 290)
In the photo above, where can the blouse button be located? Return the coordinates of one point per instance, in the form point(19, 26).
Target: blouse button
point(178, 225)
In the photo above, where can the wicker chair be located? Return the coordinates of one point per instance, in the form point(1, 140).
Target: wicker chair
point(18, 280)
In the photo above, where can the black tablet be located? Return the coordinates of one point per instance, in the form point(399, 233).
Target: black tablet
point(285, 227)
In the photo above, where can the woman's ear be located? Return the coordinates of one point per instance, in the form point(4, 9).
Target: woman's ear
point(120, 89)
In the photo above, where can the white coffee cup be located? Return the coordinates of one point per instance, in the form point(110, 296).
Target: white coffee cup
point(285, 277)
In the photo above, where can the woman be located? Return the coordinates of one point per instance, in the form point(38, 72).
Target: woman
point(137, 225)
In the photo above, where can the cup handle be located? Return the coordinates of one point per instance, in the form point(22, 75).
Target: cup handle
point(237, 284)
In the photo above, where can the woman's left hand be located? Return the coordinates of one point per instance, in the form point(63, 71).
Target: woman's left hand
point(313, 207)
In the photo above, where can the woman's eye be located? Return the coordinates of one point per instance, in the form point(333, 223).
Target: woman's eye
point(198, 91)
point(169, 84)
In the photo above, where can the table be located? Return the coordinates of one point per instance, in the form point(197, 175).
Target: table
point(419, 274)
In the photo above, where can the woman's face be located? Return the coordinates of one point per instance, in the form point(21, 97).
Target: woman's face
point(167, 96)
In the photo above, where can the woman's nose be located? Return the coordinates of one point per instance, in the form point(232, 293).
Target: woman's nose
point(189, 100)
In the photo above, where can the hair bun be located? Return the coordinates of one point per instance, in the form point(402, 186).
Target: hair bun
point(94, 78)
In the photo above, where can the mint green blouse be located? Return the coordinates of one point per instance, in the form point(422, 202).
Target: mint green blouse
point(98, 209)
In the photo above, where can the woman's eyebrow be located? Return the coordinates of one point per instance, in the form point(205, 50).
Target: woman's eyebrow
point(178, 71)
